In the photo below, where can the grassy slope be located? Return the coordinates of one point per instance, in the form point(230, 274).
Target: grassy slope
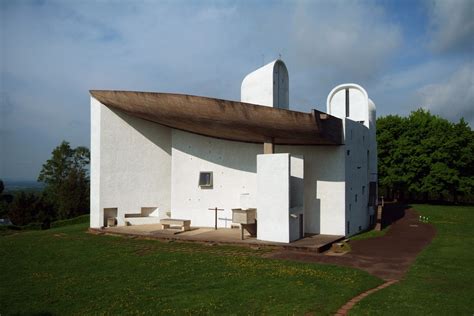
point(67, 271)
point(441, 282)
point(370, 234)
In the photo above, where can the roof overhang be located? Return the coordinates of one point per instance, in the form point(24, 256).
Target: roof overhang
point(226, 119)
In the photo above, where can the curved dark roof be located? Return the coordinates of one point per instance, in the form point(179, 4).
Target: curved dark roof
point(225, 119)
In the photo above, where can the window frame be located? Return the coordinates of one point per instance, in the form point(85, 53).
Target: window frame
point(211, 179)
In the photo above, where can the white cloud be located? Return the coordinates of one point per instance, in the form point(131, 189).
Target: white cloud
point(352, 39)
point(452, 98)
point(452, 23)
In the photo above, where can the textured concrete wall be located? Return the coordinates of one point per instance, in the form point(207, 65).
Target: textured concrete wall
point(234, 173)
point(130, 164)
point(357, 172)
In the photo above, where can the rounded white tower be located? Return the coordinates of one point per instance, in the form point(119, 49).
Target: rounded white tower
point(267, 86)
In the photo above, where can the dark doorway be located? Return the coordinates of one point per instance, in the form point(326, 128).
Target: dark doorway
point(301, 226)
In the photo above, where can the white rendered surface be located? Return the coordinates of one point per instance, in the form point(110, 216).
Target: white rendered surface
point(360, 151)
point(234, 173)
point(358, 109)
point(324, 187)
point(296, 196)
point(130, 164)
point(273, 197)
point(357, 181)
point(268, 85)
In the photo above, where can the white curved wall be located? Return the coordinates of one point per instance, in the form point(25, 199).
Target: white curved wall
point(268, 86)
point(130, 164)
point(234, 173)
point(358, 103)
point(373, 142)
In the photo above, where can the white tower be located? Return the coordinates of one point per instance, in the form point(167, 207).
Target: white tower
point(351, 101)
point(267, 86)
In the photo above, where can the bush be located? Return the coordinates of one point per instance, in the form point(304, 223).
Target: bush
point(32, 226)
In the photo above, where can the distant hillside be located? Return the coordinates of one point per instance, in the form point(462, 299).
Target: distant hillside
point(23, 185)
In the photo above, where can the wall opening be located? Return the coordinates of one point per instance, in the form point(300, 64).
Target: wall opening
point(372, 191)
point(110, 213)
point(205, 179)
point(347, 102)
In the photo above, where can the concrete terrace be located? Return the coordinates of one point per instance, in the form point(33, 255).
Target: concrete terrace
point(313, 243)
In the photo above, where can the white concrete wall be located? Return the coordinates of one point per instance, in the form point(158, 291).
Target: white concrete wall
point(130, 164)
point(296, 196)
point(324, 187)
point(372, 142)
point(357, 175)
point(234, 167)
point(358, 103)
point(96, 212)
point(360, 151)
point(234, 173)
point(268, 86)
point(273, 197)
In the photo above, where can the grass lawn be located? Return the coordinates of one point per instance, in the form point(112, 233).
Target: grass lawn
point(441, 281)
point(370, 234)
point(68, 271)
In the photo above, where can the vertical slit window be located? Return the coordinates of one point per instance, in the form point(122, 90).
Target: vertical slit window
point(347, 102)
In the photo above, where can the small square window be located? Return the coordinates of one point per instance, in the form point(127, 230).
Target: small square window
point(205, 179)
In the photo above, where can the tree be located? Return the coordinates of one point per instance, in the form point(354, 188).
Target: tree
point(425, 157)
point(23, 208)
point(66, 177)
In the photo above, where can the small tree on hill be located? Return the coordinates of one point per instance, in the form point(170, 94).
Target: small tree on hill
point(66, 176)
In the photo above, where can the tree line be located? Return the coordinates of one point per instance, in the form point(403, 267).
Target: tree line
point(424, 157)
point(65, 195)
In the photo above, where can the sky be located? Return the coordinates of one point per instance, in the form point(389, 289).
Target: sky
point(406, 54)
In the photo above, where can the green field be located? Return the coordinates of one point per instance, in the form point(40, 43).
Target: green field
point(441, 282)
point(66, 271)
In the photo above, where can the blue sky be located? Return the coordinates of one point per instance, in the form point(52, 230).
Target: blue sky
point(407, 54)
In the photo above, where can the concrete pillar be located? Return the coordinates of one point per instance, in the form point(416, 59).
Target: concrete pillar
point(268, 146)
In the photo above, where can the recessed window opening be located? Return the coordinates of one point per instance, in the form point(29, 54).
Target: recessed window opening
point(347, 102)
point(205, 179)
point(363, 189)
point(356, 198)
point(348, 152)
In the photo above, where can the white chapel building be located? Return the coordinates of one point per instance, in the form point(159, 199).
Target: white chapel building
point(163, 155)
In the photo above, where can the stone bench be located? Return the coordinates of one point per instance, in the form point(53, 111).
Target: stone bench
point(185, 224)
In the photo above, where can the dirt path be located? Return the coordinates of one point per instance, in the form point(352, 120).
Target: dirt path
point(387, 257)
